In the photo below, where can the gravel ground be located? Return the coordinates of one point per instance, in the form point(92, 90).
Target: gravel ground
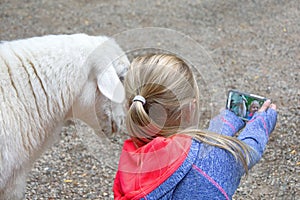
point(255, 45)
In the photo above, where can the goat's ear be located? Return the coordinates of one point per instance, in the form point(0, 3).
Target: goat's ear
point(110, 85)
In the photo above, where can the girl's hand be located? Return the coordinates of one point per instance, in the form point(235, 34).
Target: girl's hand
point(267, 105)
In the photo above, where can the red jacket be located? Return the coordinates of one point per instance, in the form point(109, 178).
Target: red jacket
point(143, 169)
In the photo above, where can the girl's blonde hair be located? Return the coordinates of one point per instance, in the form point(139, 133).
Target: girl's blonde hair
point(172, 104)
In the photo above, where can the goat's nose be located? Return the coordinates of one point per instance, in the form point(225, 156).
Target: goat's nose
point(121, 78)
point(114, 127)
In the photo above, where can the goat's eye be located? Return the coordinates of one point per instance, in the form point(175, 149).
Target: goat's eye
point(122, 79)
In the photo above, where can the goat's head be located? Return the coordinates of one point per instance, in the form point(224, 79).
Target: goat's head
point(100, 103)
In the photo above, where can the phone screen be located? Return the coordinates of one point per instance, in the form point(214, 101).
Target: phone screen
point(244, 105)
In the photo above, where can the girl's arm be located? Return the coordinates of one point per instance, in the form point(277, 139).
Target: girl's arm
point(257, 130)
point(226, 123)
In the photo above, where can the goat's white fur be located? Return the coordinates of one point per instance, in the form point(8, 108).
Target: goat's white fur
point(43, 82)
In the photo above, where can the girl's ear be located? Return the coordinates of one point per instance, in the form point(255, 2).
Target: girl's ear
point(110, 85)
point(189, 111)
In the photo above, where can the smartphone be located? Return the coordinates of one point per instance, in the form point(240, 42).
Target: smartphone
point(244, 105)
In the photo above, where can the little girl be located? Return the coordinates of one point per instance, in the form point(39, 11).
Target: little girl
point(254, 107)
point(167, 157)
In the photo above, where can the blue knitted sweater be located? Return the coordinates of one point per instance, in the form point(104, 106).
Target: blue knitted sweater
point(207, 172)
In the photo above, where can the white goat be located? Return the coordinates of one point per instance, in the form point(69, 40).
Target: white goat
point(45, 81)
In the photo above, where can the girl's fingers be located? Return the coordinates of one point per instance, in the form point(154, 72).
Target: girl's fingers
point(265, 106)
point(273, 106)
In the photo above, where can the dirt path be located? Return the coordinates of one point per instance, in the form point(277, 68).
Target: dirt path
point(254, 44)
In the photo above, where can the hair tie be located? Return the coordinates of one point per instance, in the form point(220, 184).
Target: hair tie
point(140, 99)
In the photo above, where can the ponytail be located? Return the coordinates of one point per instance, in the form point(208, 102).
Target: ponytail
point(140, 126)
